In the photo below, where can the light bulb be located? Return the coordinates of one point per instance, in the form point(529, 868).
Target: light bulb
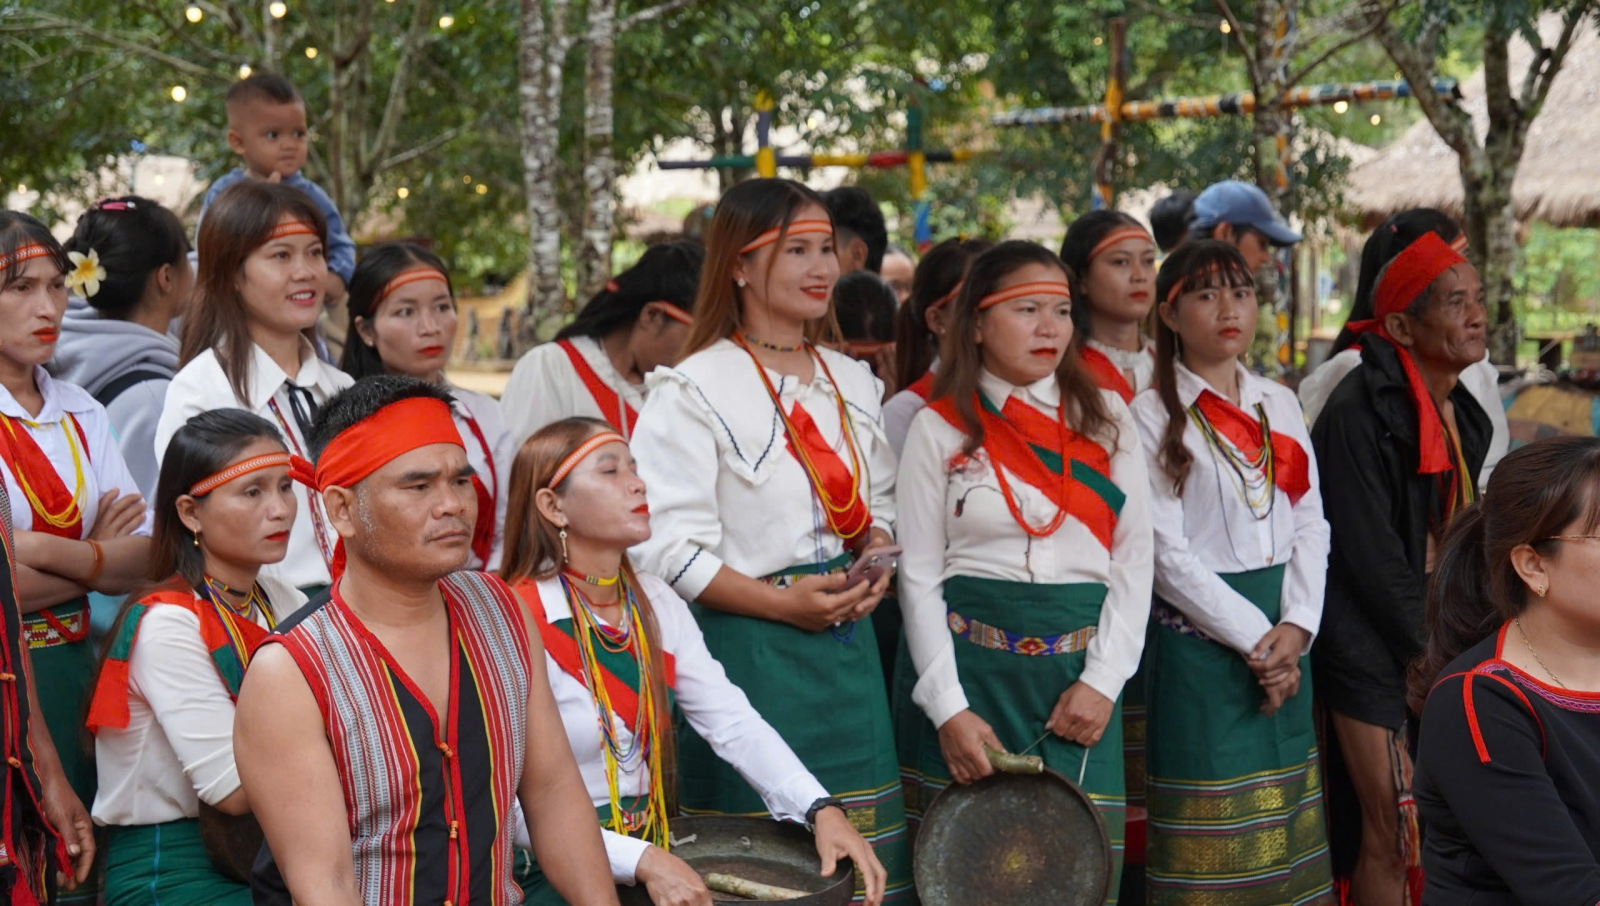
point(1341, 106)
point(1375, 119)
point(278, 9)
point(1226, 28)
point(446, 20)
point(180, 93)
point(483, 189)
point(402, 192)
point(245, 70)
point(311, 53)
point(194, 13)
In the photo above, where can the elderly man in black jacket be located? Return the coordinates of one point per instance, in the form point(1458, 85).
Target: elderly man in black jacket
point(1399, 446)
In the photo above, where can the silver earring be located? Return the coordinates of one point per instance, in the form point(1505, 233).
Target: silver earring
point(563, 535)
point(741, 282)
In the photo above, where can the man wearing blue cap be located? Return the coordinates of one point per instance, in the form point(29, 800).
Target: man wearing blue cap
point(1240, 214)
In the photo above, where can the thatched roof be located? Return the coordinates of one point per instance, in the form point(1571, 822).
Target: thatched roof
point(1559, 179)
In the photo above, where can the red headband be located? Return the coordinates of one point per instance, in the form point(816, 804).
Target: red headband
point(1117, 236)
point(292, 228)
point(1050, 288)
point(27, 253)
point(1408, 276)
point(238, 470)
point(948, 297)
point(576, 456)
point(1459, 243)
point(410, 275)
point(796, 228)
point(374, 442)
point(675, 313)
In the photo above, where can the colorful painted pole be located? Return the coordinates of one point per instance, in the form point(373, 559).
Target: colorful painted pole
point(917, 163)
point(1105, 165)
point(1200, 107)
point(766, 163)
point(1283, 302)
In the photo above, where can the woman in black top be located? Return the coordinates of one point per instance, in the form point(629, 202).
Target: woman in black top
point(1508, 765)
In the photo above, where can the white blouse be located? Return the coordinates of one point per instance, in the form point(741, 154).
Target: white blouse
point(177, 750)
point(103, 467)
point(202, 386)
point(545, 388)
point(715, 707)
point(899, 412)
point(489, 451)
point(1210, 530)
point(985, 541)
point(1481, 380)
point(1142, 363)
point(723, 486)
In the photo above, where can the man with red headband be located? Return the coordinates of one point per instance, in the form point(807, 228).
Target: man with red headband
point(1399, 445)
point(384, 730)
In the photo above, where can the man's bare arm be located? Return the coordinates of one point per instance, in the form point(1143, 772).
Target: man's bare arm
point(287, 769)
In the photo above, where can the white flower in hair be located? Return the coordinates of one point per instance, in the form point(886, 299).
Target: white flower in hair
point(86, 273)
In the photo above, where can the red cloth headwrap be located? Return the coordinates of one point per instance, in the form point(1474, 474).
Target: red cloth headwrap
point(1409, 275)
point(374, 442)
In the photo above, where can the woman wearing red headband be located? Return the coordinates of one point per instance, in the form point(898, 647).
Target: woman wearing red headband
point(1399, 445)
point(162, 712)
point(1241, 552)
point(1025, 514)
point(765, 455)
point(919, 325)
point(81, 525)
point(597, 365)
point(247, 343)
point(621, 644)
point(1111, 262)
point(403, 321)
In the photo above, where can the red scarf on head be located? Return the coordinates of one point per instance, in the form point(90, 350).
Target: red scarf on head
point(371, 444)
point(615, 409)
point(1408, 276)
point(1106, 374)
point(1291, 468)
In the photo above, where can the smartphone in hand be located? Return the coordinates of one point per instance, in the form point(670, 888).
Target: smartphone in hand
point(871, 565)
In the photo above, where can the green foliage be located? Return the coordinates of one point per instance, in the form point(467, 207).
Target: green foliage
point(1559, 271)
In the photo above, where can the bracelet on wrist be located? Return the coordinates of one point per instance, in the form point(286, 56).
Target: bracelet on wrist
point(99, 561)
point(818, 806)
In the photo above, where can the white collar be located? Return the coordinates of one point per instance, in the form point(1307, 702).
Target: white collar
point(1191, 385)
point(266, 376)
point(1045, 392)
point(1122, 358)
point(57, 400)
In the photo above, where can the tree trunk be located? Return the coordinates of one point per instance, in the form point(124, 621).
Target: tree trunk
point(599, 169)
point(541, 57)
point(1491, 227)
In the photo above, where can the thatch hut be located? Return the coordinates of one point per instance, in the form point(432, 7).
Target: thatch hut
point(1559, 179)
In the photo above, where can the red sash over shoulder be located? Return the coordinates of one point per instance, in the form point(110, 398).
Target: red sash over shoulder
point(1291, 468)
point(923, 387)
point(833, 475)
point(36, 474)
point(615, 409)
point(563, 649)
point(1073, 473)
point(1105, 372)
point(483, 531)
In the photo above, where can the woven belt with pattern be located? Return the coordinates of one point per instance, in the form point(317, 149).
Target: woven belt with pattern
point(993, 637)
point(45, 630)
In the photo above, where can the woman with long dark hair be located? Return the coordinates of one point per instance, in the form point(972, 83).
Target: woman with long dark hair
point(116, 339)
point(577, 506)
point(81, 525)
point(162, 712)
point(1111, 264)
point(403, 321)
point(247, 343)
point(1388, 240)
point(1025, 515)
point(1241, 553)
point(765, 456)
point(919, 325)
point(1509, 689)
point(597, 365)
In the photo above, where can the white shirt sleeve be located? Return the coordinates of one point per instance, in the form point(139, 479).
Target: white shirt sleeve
point(622, 851)
point(172, 670)
point(898, 414)
point(532, 397)
point(1305, 582)
point(1119, 641)
point(721, 713)
point(881, 472)
point(110, 469)
point(678, 459)
point(182, 404)
point(922, 485)
point(1180, 578)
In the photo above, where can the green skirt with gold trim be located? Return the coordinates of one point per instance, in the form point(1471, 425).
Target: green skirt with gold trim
point(1235, 796)
point(1015, 693)
point(823, 692)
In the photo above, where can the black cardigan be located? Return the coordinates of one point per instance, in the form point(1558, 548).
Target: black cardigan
point(1510, 790)
point(1380, 511)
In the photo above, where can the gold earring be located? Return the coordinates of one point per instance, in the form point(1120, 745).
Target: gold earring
point(1539, 591)
point(196, 539)
point(563, 535)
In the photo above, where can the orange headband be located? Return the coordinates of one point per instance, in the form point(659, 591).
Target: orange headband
point(27, 253)
point(796, 228)
point(292, 228)
point(676, 313)
point(948, 297)
point(238, 470)
point(576, 456)
point(371, 444)
point(410, 275)
point(1117, 236)
point(1178, 290)
point(1026, 289)
point(1459, 243)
